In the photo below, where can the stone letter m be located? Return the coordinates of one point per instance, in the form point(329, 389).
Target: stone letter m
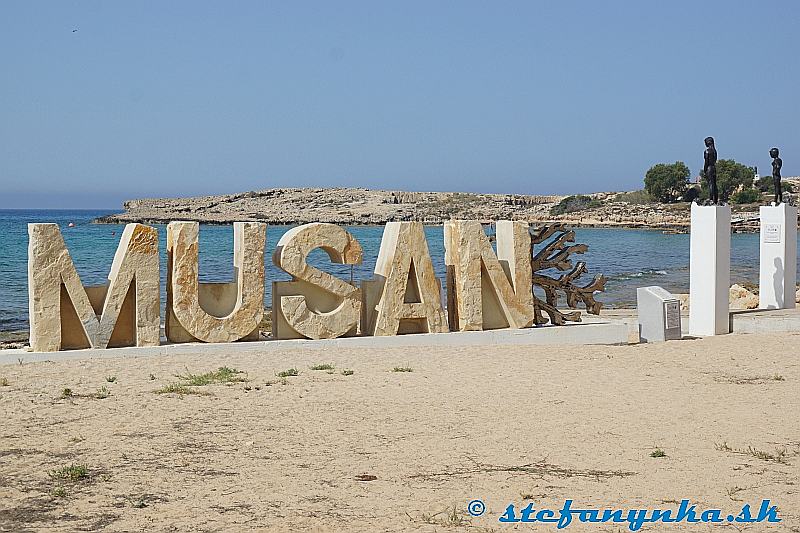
point(65, 314)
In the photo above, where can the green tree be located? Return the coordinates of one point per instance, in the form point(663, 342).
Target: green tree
point(731, 176)
point(666, 182)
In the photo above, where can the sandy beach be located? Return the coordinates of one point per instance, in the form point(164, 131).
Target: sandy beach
point(506, 425)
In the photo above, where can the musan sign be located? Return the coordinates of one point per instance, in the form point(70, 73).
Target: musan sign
point(485, 289)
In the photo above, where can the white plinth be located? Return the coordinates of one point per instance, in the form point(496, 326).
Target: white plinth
point(709, 270)
point(778, 272)
point(659, 315)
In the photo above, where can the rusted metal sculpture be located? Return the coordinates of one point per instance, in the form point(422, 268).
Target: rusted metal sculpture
point(556, 254)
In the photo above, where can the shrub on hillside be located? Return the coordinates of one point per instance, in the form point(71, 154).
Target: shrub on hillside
point(746, 196)
point(570, 204)
point(767, 184)
point(691, 194)
point(634, 197)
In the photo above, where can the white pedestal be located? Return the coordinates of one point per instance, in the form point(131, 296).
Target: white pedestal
point(659, 315)
point(709, 270)
point(778, 272)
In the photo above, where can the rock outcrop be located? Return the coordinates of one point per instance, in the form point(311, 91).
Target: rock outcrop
point(356, 206)
point(739, 298)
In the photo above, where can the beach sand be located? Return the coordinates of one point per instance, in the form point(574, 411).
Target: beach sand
point(502, 425)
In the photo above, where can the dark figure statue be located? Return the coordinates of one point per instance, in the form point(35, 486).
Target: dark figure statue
point(710, 169)
point(777, 163)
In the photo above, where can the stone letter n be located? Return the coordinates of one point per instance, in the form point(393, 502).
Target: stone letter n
point(484, 290)
point(54, 286)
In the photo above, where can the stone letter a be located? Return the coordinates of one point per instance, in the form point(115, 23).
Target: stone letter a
point(64, 313)
point(405, 296)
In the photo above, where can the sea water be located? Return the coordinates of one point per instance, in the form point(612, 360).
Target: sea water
point(629, 258)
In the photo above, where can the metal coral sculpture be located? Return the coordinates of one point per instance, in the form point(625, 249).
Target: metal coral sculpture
point(557, 254)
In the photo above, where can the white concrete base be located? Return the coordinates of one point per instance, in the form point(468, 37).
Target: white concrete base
point(765, 321)
point(709, 270)
point(573, 334)
point(778, 272)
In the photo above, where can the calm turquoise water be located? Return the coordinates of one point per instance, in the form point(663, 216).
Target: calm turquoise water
point(629, 258)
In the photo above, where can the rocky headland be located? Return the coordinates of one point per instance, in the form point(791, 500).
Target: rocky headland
point(357, 206)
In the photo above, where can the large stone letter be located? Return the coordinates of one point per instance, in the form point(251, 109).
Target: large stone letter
point(64, 313)
point(214, 312)
point(405, 295)
point(315, 304)
point(488, 291)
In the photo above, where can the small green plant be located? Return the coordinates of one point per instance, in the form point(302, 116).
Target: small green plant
point(102, 393)
point(137, 503)
point(323, 366)
point(58, 492)
point(402, 369)
point(733, 491)
point(348, 372)
point(111, 379)
point(181, 389)
point(778, 457)
point(66, 393)
point(447, 518)
point(658, 452)
point(778, 377)
point(222, 375)
point(290, 372)
point(72, 472)
point(4, 382)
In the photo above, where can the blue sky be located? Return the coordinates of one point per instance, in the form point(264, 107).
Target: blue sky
point(187, 98)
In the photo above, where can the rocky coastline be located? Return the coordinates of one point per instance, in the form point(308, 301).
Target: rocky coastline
point(358, 206)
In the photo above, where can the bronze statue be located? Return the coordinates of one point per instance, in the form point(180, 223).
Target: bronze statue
point(710, 169)
point(777, 163)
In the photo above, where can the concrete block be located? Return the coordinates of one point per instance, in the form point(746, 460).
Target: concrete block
point(659, 314)
point(572, 334)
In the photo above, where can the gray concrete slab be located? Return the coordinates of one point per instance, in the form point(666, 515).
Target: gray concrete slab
point(572, 334)
point(765, 320)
